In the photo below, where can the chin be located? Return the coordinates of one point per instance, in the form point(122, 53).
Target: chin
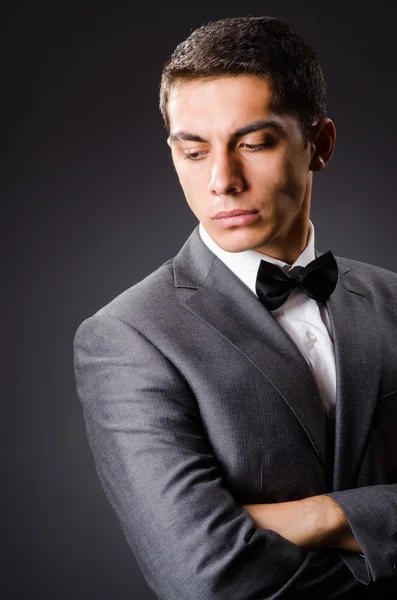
point(231, 243)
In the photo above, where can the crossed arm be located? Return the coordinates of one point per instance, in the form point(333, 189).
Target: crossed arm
point(160, 476)
point(312, 523)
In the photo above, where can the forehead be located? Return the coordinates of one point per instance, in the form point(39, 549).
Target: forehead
point(222, 105)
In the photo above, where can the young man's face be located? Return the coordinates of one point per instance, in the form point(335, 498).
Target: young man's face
point(228, 159)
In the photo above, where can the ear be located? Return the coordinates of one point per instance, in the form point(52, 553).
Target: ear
point(322, 142)
point(169, 141)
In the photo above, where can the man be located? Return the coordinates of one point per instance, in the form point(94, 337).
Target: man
point(241, 401)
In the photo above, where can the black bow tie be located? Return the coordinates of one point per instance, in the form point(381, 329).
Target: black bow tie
point(318, 280)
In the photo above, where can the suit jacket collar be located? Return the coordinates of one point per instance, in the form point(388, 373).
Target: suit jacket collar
point(227, 305)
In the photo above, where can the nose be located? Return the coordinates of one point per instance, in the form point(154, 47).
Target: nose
point(226, 176)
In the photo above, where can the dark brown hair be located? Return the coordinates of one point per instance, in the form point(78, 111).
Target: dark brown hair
point(263, 46)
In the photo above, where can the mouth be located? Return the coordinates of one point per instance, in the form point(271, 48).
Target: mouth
point(236, 217)
point(233, 213)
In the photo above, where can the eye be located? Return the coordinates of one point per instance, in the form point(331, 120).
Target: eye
point(194, 155)
point(254, 147)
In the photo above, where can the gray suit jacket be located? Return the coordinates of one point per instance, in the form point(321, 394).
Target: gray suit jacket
point(197, 401)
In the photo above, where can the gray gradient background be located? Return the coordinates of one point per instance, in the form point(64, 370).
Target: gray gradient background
point(92, 205)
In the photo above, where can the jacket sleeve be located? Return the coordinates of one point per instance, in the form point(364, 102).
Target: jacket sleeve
point(372, 515)
point(191, 540)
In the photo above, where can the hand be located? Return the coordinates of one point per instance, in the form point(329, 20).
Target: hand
point(313, 523)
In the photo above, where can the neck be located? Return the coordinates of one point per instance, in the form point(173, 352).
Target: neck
point(289, 245)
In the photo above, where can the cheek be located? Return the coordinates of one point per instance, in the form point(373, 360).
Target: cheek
point(271, 176)
point(283, 186)
point(271, 167)
point(193, 181)
point(193, 194)
point(290, 177)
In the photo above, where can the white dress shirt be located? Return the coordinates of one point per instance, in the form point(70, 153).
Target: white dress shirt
point(304, 319)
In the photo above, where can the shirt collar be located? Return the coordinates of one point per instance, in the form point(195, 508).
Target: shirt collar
point(245, 264)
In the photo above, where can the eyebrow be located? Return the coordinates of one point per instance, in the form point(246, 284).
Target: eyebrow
point(250, 128)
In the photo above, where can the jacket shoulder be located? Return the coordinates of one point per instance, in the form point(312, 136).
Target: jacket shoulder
point(350, 263)
point(152, 299)
point(156, 288)
point(368, 275)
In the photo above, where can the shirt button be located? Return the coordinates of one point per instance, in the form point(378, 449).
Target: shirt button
point(395, 568)
point(311, 336)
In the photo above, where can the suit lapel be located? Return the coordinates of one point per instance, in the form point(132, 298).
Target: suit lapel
point(229, 307)
point(358, 365)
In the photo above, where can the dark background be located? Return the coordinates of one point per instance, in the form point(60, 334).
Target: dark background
point(91, 205)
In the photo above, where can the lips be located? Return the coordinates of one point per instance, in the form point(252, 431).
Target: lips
point(233, 213)
point(236, 218)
